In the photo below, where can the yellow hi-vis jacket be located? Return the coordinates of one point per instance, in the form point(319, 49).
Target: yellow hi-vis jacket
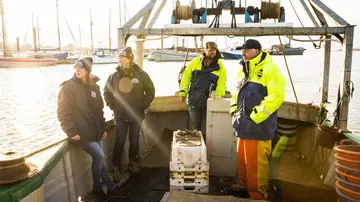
point(197, 81)
point(260, 91)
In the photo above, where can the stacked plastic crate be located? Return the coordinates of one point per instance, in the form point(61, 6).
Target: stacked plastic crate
point(189, 168)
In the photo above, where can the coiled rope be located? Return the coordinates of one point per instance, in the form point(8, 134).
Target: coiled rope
point(270, 10)
point(184, 12)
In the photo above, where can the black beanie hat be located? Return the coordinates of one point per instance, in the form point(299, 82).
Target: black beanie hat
point(85, 62)
point(127, 52)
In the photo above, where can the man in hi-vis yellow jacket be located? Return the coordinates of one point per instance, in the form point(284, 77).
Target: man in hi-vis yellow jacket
point(260, 91)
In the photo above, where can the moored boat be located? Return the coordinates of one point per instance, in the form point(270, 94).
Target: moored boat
point(26, 62)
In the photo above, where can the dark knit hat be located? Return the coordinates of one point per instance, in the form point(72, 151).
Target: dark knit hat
point(85, 62)
point(127, 52)
point(250, 44)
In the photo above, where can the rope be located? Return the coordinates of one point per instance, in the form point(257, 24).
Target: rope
point(184, 12)
point(321, 39)
point(12, 166)
point(270, 10)
point(287, 67)
point(315, 46)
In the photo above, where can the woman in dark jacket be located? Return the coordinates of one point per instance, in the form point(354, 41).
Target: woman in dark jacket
point(128, 92)
point(81, 116)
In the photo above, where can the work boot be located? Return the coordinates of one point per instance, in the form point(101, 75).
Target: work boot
point(133, 168)
point(99, 194)
point(116, 174)
point(117, 193)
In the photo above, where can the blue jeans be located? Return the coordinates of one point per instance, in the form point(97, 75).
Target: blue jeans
point(122, 128)
point(98, 168)
point(198, 119)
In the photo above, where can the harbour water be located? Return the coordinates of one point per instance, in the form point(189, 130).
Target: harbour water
point(28, 96)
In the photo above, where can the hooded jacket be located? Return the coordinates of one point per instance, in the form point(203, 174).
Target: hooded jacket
point(259, 94)
point(198, 79)
point(80, 110)
point(129, 106)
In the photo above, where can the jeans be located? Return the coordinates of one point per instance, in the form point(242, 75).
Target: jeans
point(122, 128)
point(98, 168)
point(198, 119)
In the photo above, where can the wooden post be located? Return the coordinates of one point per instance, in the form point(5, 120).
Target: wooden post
point(121, 39)
point(162, 42)
point(326, 70)
point(140, 51)
point(346, 74)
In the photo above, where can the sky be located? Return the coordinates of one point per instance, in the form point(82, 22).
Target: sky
point(76, 13)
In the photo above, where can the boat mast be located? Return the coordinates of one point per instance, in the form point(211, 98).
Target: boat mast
point(38, 31)
point(120, 12)
point(58, 27)
point(80, 36)
point(7, 50)
point(34, 33)
point(110, 29)
point(92, 42)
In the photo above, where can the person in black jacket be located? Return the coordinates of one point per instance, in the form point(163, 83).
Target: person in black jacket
point(129, 91)
point(81, 116)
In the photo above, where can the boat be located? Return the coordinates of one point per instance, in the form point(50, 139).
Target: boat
point(306, 171)
point(288, 50)
point(172, 55)
point(105, 56)
point(26, 62)
point(231, 54)
point(50, 55)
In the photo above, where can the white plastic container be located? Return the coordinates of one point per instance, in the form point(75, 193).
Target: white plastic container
point(188, 153)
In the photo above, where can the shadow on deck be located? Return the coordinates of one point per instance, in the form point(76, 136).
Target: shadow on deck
point(291, 179)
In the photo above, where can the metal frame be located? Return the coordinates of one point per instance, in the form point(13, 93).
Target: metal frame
point(342, 28)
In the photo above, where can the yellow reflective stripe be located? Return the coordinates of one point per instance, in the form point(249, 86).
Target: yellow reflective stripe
point(262, 108)
point(184, 87)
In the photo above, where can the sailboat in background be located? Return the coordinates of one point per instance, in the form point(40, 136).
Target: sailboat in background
point(103, 55)
point(8, 61)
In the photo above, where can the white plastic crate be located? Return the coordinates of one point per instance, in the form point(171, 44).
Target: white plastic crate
point(189, 175)
point(190, 187)
point(188, 152)
point(185, 182)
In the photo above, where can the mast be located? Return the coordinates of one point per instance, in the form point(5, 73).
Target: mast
point(110, 29)
point(38, 32)
point(92, 42)
point(7, 50)
point(80, 36)
point(58, 26)
point(34, 33)
point(120, 12)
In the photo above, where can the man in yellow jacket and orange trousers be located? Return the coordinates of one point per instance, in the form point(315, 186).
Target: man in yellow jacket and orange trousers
point(260, 91)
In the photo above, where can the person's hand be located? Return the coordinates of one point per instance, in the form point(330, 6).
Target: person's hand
point(76, 137)
point(183, 98)
point(105, 135)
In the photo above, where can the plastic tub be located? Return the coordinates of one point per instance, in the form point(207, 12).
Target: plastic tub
point(345, 198)
point(351, 152)
point(348, 192)
point(348, 170)
point(348, 162)
point(347, 177)
point(349, 185)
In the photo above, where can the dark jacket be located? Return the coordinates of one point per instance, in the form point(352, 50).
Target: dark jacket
point(129, 106)
point(80, 110)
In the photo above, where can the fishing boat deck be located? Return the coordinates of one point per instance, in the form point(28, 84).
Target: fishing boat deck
point(291, 179)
